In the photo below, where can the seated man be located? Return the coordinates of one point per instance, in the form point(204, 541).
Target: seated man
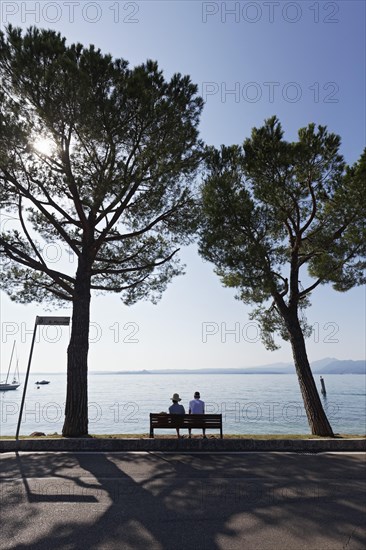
point(175, 408)
point(197, 406)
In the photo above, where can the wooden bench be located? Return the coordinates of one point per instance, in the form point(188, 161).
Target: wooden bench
point(207, 421)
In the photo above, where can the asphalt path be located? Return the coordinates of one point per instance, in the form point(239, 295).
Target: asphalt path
point(123, 501)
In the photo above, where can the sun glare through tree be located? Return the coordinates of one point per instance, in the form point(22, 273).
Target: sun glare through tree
point(44, 145)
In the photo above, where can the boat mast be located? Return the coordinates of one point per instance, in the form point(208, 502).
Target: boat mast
point(11, 358)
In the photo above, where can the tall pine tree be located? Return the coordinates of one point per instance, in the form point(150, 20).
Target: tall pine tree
point(273, 210)
point(115, 186)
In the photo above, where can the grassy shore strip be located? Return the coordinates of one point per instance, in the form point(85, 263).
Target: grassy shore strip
point(264, 437)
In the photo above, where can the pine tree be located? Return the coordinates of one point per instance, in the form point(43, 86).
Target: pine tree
point(115, 188)
point(272, 209)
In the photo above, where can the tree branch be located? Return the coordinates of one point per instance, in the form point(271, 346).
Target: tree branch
point(145, 229)
point(30, 240)
point(14, 253)
point(313, 210)
point(119, 288)
point(134, 269)
point(44, 211)
point(310, 288)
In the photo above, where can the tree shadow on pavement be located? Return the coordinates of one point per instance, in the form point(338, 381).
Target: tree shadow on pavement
point(197, 501)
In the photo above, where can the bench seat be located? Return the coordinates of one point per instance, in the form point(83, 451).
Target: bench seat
point(207, 421)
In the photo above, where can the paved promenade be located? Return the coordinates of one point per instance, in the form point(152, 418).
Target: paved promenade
point(193, 501)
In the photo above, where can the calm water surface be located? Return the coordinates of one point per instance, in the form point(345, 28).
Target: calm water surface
point(250, 404)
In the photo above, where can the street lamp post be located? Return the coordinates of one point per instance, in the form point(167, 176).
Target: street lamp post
point(39, 321)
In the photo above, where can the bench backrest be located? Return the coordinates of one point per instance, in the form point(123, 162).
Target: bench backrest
point(185, 420)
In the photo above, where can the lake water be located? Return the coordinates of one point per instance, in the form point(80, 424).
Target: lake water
point(250, 404)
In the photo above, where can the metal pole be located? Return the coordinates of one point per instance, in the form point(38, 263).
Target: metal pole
point(26, 378)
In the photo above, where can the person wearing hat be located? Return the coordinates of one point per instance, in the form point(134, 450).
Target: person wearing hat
point(176, 408)
point(197, 406)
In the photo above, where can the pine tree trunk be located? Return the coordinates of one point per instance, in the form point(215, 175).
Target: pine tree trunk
point(317, 418)
point(76, 411)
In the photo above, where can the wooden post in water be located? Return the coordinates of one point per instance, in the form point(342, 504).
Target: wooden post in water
point(323, 390)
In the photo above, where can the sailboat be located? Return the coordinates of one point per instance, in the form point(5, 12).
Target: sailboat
point(4, 386)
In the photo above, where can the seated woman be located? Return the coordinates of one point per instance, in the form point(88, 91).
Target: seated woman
point(176, 408)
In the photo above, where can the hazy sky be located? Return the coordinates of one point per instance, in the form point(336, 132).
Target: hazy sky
point(303, 61)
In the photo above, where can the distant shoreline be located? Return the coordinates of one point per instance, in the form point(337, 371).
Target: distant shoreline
point(197, 372)
point(228, 372)
point(322, 367)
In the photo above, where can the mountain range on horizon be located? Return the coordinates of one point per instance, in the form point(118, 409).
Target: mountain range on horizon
point(328, 365)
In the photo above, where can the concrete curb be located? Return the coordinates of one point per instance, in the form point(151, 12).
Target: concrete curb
point(183, 445)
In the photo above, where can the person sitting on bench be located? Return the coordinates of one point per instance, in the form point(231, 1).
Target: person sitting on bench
point(175, 408)
point(197, 406)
